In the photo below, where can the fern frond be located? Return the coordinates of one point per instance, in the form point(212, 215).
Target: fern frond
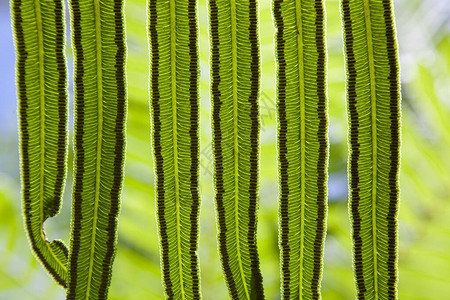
point(373, 94)
point(235, 83)
point(41, 83)
point(302, 144)
point(100, 111)
point(175, 116)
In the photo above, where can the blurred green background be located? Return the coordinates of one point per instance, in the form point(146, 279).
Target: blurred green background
point(424, 221)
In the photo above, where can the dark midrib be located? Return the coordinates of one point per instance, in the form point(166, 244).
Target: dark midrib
point(394, 149)
point(323, 146)
point(354, 149)
point(194, 146)
point(282, 145)
point(155, 98)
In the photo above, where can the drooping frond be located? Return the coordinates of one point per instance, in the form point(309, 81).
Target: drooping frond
point(41, 83)
point(175, 116)
point(373, 95)
point(235, 74)
point(302, 144)
point(100, 111)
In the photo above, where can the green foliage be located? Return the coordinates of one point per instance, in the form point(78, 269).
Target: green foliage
point(175, 118)
point(302, 144)
point(235, 73)
point(424, 227)
point(100, 110)
point(373, 93)
point(41, 81)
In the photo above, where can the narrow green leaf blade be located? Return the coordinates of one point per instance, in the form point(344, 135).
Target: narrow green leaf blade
point(100, 111)
point(302, 144)
point(41, 83)
point(373, 95)
point(174, 78)
point(235, 73)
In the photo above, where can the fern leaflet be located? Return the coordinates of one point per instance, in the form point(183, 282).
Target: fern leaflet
point(41, 82)
point(235, 73)
point(302, 144)
point(373, 95)
point(175, 117)
point(100, 110)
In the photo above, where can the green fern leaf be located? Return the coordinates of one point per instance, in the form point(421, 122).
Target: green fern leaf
point(175, 116)
point(41, 83)
point(100, 110)
point(373, 93)
point(235, 73)
point(302, 144)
